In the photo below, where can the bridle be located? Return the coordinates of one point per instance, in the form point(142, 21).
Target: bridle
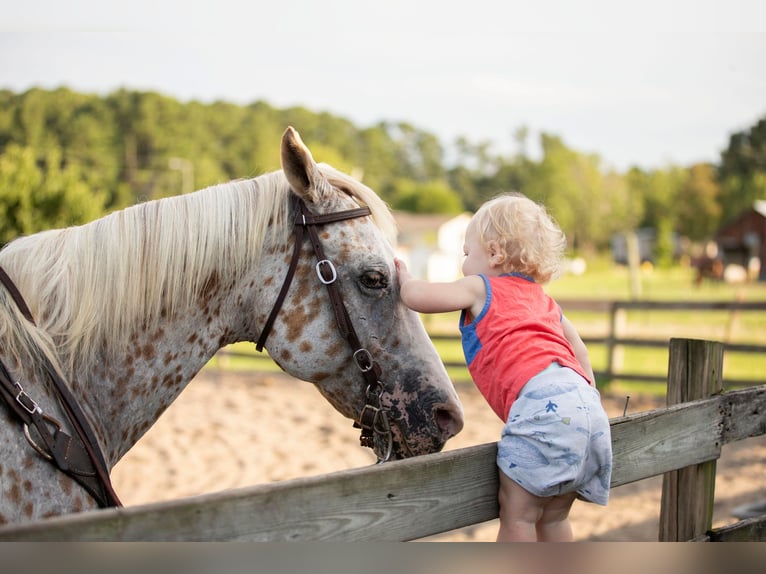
point(373, 418)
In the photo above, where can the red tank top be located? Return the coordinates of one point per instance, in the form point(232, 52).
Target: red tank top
point(517, 335)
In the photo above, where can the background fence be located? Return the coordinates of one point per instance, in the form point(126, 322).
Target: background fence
point(613, 329)
point(618, 324)
point(419, 497)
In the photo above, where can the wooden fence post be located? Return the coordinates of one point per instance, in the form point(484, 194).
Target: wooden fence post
point(694, 372)
point(614, 352)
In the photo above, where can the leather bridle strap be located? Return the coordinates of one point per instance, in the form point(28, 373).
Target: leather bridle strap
point(16, 295)
point(372, 418)
point(303, 218)
point(81, 459)
point(323, 267)
point(283, 291)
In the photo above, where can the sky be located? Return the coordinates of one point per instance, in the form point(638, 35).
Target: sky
point(647, 84)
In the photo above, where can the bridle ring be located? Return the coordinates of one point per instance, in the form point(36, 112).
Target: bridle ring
point(368, 357)
point(332, 268)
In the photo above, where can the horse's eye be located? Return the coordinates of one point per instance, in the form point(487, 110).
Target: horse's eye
point(373, 280)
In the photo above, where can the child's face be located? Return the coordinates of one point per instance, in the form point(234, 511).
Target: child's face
point(476, 255)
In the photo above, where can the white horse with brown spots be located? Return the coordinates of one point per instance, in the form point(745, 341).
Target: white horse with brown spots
point(127, 309)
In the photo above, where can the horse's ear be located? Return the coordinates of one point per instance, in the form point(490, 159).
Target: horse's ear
point(299, 167)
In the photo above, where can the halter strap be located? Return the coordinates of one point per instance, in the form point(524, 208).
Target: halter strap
point(16, 295)
point(305, 220)
point(372, 418)
point(81, 459)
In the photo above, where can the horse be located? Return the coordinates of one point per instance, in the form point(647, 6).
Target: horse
point(126, 309)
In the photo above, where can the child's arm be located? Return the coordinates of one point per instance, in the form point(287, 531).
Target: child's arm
point(581, 351)
point(425, 297)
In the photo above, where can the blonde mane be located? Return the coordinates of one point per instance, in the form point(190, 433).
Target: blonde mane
point(92, 286)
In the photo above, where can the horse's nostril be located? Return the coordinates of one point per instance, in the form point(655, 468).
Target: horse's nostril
point(448, 422)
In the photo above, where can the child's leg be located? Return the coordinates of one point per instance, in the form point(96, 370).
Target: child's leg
point(525, 517)
point(519, 512)
point(554, 525)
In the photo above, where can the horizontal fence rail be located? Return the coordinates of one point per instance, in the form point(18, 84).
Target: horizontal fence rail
point(617, 320)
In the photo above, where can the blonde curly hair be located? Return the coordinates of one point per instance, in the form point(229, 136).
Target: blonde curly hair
point(531, 241)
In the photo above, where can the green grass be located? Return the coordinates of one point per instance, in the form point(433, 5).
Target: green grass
point(605, 281)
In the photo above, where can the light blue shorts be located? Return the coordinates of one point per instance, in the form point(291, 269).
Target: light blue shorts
point(557, 438)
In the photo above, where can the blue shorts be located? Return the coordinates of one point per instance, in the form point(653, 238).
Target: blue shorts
point(557, 438)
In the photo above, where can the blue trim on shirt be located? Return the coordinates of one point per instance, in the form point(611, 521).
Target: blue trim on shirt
point(471, 343)
point(519, 275)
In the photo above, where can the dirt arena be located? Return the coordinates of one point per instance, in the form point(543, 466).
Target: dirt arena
point(231, 430)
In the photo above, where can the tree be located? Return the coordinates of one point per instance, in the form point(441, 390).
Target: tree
point(661, 202)
point(419, 153)
point(743, 170)
point(624, 194)
point(698, 210)
point(38, 193)
point(569, 185)
point(426, 197)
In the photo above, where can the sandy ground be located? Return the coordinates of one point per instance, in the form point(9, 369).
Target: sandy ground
point(230, 430)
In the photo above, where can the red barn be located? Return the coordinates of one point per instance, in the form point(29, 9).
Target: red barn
point(742, 241)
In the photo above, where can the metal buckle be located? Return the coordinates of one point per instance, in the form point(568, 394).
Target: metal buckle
point(368, 416)
point(379, 426)
point(332, 268)
point(37, 447)
point(26, 401)
point(367, 356)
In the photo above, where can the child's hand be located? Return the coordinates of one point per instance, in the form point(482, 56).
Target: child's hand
point(403, 273)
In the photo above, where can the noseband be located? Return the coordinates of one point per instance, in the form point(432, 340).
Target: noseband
point(373, 418)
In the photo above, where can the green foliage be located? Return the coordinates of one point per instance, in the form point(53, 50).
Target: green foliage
point(426, 197)
point(69, 157)
point(571, 185)
point(39, 192)
point(698, 208)
point(743, 170)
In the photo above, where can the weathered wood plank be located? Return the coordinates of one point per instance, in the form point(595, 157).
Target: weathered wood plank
point(396, 501)
point(407, 499)
point(749, 530)
point(745, 413)
point(658, 441)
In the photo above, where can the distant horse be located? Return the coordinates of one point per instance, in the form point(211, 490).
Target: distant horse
point(125, 310)
point(707, 268)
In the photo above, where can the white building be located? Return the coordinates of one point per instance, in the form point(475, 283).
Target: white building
point(432, 245)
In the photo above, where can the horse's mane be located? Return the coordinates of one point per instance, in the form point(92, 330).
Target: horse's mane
point(91, 286)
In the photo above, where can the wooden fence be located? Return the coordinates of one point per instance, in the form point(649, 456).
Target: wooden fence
point(427, 495)
point(615, 341)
